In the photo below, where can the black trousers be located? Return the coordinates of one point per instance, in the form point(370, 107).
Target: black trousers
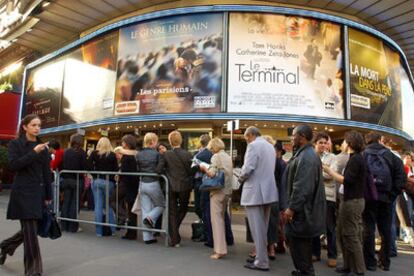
point(178, 207)
point(28, 236)
point(272, 230)
point(123, 209)
point(71, 196)
point(377, 213)
point(301, 252)
point(197, 198)
point(330, 233)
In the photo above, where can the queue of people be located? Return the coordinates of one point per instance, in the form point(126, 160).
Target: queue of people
point(288, 204)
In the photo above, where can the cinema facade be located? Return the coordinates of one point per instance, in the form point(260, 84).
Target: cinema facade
point(195, 68)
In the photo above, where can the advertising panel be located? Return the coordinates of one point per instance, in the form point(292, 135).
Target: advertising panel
point(286, 65)
point(44, 91)
point(89, 81)
point(171, 65)
point(407, 95)
point(375, 81)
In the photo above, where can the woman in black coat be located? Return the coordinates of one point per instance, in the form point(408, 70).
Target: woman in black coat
point(31, 190)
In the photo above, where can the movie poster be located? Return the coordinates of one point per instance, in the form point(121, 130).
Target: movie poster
point(285, 65)
point(89, 81)
point(407, 94)
point(11, 77)
point(375, 81)
point(44, 91)
point(171, 65)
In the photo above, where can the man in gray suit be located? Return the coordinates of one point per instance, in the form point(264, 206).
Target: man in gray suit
point(259, 191)
point(306, 215)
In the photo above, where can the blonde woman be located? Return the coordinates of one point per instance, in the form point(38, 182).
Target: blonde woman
point(219, 198)
point(151, 195)
point(103, 159)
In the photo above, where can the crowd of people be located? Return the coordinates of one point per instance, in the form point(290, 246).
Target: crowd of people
point(298, 204)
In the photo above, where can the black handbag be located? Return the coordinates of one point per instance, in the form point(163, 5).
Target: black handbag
point(48, 227)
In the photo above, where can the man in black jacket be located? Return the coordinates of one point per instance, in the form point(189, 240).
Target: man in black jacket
point(389, 182)
point(306, 200)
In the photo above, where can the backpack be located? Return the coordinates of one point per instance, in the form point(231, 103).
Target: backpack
point(379, 169)
point(370, 190)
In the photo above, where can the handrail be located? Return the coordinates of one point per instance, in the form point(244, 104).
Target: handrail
point(58, 176)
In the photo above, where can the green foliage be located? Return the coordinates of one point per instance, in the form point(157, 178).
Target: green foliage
point(3, 157)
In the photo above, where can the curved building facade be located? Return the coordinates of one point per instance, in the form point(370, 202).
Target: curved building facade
point(194, 68)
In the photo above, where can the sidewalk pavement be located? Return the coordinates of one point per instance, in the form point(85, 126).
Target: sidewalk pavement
point(85, 254)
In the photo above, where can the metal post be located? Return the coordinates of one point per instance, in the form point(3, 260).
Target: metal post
point(231, 140)
point(107, 199)
point(77, 195)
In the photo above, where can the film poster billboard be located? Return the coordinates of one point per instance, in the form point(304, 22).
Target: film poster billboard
point(89, 81)
point(285, 64)
point(44, 92)
point(375, 81)
point(407, 95)
point(171, 65)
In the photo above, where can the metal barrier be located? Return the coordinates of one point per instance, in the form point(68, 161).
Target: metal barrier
point(56, 199)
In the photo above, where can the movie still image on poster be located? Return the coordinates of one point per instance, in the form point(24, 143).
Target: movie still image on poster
point(44, 92)
point(89, 82)
point(171, 65)
point(285, 65)
point(375, 81)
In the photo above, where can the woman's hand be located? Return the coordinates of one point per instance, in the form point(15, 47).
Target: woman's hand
point(210, 174)
point(327, 169)
point(289, 213)
point(40, 147)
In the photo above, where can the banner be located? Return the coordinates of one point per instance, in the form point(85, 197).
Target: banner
point(44, 91)
point(375, 81)
point(286, 65)
point(89, 82)
point(171, 65)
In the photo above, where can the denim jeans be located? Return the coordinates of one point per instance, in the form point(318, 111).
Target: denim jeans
point(152, 204)
point(100, 187)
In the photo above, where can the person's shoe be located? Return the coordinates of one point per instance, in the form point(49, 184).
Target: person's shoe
point(342, 270)
point(217, 256)
point(280, 249)
point(371, 268)
point(126, 237)
point(252, 266)
point(331, 263)
point(250, 260)
point(316, 259)
point(148, 222)
point(3, 256)
point(150, 241)
point(385, 268)
point(271, 252)
point(177, 245)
